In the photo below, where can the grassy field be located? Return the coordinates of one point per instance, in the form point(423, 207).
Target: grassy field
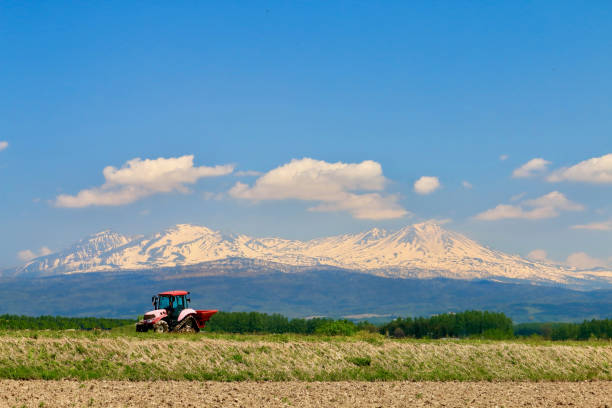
point(125, 355)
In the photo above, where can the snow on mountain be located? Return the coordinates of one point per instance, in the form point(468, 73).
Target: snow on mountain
point(422, 250)
point(85, 255)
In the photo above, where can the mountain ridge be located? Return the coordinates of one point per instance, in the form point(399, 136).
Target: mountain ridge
point(423, 250)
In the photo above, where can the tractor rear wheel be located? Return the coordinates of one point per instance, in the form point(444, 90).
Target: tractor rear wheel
point(161, 327)
point(188, 325)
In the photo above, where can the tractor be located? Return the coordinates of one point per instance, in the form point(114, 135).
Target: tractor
point(172, 314)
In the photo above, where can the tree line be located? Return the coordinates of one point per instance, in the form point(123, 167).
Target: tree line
point(471, 323)
point(465, 324)
point(13, 322)
point(598, 329)
point(255, 322)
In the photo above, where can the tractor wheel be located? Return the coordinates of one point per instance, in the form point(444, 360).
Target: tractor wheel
point(161, 327)
point(189, 325)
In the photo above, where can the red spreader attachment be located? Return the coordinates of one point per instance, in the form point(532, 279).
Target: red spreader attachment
point(202, 316)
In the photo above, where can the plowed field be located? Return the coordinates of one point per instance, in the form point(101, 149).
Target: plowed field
point(40, 393)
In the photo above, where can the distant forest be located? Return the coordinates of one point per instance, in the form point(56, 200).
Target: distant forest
point(254, 322)
point(472, 323)
point(588, 329)
point(465, 324)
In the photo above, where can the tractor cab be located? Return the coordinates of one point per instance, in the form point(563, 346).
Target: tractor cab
point(174, 302)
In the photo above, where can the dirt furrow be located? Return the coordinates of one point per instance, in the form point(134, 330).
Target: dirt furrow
point(39, 393)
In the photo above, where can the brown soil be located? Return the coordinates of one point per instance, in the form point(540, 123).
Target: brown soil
point(303, 394)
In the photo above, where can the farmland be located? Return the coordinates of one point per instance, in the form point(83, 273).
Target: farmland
point(39, 393)
point(117, 368)
point(60, 355)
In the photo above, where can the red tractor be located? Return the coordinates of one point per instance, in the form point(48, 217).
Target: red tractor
point(172, 314)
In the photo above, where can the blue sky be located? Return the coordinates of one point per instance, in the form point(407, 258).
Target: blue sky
point(436, 89)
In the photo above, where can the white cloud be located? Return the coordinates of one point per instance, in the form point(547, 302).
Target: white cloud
point(466, 184)
point(248, 173)
point(505, 211)
point(27, 254)
point(334, 185)
point(597, 170)
point(371, 206)
point(539, 255)
point(530, 168)
point(547, 206)
point(554, 200)
point(426, 185)
point(3, 145)
point(440, 221)
point(503, 157)
point(595, 226)
point(45, 251)
point(578, 260)
point(582, 260)
point(139, 178)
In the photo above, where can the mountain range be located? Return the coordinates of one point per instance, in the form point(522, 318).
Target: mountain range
point(419, 251)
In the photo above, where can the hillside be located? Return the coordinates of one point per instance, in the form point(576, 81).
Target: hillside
point(333, 293)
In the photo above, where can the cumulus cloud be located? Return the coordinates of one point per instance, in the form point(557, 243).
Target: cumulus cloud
point(595, 226)
point(555, 200)
point(578, 260)
point(336, 186)
point(371, 206)
point(505, 211)
point(440, 221)
point(503, 157)
point(426, 185)
point(466, 184)
point(139, 178)
point(597, 170)
point(582, 260)
point(530, 168)
point(27, 254)
point(539, 255)
point(547, 206)
point(3, 145)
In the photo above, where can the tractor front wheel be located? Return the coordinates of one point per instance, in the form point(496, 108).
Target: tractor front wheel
point(161, 327)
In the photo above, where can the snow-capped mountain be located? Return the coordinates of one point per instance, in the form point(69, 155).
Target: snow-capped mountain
point(422, 250)
point(84, 256)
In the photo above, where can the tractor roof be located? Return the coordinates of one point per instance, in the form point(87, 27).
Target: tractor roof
point(173, 293)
